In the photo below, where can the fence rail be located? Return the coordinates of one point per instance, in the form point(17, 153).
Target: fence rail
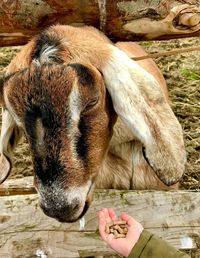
point(26, 232)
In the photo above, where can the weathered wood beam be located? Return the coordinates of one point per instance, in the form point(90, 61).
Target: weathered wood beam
point(20, 186)
point(25, 230)
point(120, 19)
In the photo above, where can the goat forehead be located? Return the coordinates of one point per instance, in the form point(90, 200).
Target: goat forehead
point(55, 100)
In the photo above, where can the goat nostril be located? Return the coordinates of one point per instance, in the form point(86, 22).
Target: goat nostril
point(75, 207)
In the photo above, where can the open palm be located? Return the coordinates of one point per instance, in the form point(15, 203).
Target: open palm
point(122, 246)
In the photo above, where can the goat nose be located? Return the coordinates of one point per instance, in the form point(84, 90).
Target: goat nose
point(65, 205)
point(63, 212)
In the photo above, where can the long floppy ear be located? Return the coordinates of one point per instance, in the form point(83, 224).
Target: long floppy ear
point(10, 135)
point(140, 103)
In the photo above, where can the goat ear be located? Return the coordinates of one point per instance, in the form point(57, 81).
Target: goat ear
point(10, 135)
point(5, 168)
point(140, 103)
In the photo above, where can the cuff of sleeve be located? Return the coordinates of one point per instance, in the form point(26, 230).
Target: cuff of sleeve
point(140, 245)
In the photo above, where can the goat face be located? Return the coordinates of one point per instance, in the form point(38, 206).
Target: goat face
point(68, 118)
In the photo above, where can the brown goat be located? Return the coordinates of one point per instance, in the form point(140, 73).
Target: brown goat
point(92, 117)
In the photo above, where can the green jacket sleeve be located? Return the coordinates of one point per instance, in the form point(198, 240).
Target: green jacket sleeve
point(151, 246)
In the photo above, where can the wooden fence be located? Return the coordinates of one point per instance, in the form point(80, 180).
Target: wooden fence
point(26, 232)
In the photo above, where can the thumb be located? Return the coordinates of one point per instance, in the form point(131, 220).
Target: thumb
point(129, 220)
point(135, 228)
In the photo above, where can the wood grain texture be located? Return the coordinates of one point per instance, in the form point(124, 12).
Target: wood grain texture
point(25, 230)
point(120, 19)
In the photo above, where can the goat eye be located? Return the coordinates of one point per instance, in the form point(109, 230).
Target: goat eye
point(91, 103)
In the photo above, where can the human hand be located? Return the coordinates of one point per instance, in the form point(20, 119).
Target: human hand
point(122, 246)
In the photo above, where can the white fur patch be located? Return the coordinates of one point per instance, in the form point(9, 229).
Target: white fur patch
point(46, 53)
point(74, 103)
point(80, 193)
point(123, 78)
point(74, 112)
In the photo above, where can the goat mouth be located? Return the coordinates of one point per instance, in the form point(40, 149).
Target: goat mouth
point(84, 209)
point(67, 220)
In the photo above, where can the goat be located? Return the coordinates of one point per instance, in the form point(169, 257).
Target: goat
point(93, 117)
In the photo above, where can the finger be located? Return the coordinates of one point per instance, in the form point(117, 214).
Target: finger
point(129, 220)
point(134, 226)
point(101, 215)
point(102, 225)
point(106, 215)
point(112, 214)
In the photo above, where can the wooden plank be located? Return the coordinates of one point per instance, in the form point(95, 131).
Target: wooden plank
point(121, 20)
point(25, 230)
point(17, 186)
point(153, 209)
point(53, 244)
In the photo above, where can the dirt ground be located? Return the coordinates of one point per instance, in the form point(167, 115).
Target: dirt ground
point(182, 73)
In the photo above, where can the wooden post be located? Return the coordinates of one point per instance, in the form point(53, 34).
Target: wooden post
point(26, 232)
point(120, 19)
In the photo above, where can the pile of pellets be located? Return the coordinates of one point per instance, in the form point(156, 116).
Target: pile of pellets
point(118, 228)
